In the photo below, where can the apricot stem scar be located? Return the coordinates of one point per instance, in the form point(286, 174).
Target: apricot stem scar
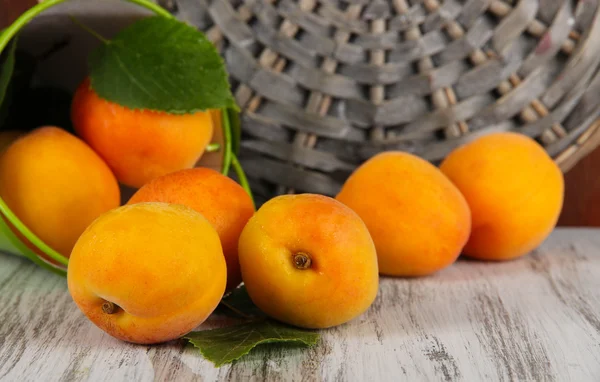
point(302, 260)
point(109, 307)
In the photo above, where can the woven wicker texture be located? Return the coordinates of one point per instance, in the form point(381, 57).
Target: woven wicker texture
point(325, 84)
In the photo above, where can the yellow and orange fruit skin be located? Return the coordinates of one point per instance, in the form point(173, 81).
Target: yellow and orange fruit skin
point(418, 219)
point(56, 185)
point(222, 201)
point(160, 264)
point(515, 192)
point(139, 145)
point(342, 279)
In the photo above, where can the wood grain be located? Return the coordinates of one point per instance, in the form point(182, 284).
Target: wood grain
point(537, 318)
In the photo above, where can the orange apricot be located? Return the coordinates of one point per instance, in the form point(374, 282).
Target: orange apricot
point(148, 273)
point(418, 219)
point(308, 260)
point(139, 145)
point(514, 189)
point(225, 204)
point(56, 185)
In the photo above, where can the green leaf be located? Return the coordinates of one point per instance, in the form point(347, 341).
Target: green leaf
point(222, 346)
point(161, 64)
point(7, 67)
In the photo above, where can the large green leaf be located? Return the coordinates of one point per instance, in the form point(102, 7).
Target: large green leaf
point(161, 64)
point(222, 346)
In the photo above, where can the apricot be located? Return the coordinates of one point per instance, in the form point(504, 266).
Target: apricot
point(139, 145)
point(225, 204)
point(515, 192)
point(56, 185)
point(148, 273)
point(309, 261)
point(418, 219)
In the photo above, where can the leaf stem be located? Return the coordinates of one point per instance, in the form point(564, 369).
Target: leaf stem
point(239, 171)
point(213, 147)
point(228, 152)
point(86, 28)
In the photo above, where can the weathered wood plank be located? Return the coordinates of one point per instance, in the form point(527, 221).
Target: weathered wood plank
point(537, 318)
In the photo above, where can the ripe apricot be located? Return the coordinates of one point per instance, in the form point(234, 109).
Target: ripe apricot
point(56, 185)
point(219, 199)
point(515, 192)
point(309, 261)
point(139, 145)
point(148, 273)
point(418, 219)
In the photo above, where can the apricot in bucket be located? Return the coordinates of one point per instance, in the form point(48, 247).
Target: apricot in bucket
point(56, 185)
point(139, 145)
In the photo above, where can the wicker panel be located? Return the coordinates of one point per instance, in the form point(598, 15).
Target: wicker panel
point(325, 84)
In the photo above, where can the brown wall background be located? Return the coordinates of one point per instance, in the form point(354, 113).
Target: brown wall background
point(582, 193)
point(11, 9)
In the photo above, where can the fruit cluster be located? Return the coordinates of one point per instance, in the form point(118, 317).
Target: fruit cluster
point(156, 268)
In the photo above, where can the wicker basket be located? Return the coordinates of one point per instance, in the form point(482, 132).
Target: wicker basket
point(325, 84)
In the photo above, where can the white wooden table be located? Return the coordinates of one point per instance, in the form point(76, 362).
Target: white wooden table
point(537, 318)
